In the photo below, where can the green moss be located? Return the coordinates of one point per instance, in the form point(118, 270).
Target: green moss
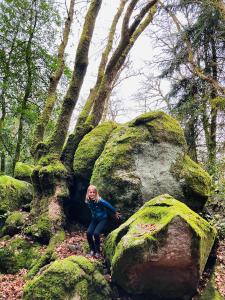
point(133, 238)
point(18, 253)
point(57, 238)
point(115, 157)
point(41, 230)
point(210, 292)
point(14, 193)
point(163, 128)
point(197, 181)
point(64, 279)
point(49, 255)
point(23, 171)
point(90, 149)
point(14, 223)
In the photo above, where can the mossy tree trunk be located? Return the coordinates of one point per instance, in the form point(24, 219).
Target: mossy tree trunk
point(28, 87)
point(4, 88)
point(80, 67)
point(50, 177)
point(54, 80)
point(94, 108)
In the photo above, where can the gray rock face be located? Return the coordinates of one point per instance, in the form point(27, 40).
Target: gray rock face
point(153, 165)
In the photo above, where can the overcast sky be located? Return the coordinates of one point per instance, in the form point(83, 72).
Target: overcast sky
point(142, 50)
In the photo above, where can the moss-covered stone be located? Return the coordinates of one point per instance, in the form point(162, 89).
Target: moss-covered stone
point(14, 193)
point(14, 222)
point(196, 182)
point(41, 231)
point(210, 292)
point(90, 149)
point(48, 256)
point(161, 250)
point(139, 162)
point(23, 171)
point(114, 172)
point(17, 253)
point(70, 278)
point(163, 128)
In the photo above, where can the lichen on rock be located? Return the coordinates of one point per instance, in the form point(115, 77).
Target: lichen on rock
point(72, 278)
point(161, 250)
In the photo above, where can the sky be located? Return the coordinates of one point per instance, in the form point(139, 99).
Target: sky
point(143, 50)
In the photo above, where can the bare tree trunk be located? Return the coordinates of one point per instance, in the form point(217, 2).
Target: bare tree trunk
point(54, 80)
point(194, 66)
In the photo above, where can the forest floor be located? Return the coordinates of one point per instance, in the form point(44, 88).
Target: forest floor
point(11, 285)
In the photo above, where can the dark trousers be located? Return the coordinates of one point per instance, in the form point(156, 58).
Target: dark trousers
point(93, 234)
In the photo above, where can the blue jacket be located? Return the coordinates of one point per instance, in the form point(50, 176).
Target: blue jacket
point(99, 209)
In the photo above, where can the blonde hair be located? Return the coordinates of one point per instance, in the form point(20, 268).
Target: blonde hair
point(95, 189)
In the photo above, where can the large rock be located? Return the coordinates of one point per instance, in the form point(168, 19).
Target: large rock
point(161, 250)
point(23, 171)
point(145, 158)
point(14, 193)
point(88, 151)
point(17, 253)
point(72, 278)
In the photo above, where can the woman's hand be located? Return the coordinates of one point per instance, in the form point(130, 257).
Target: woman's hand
point(117, 215)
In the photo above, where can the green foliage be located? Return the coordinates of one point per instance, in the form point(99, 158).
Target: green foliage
point(17, 25)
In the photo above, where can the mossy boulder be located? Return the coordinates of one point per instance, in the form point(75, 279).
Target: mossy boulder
point(146, 158)
point(195, 182)
point(23, 171)
point(41, 230)
point(14, 193)
point(14, 223)
point(210, 292)
point(72, 278)
point(17, 253)
point(161, 250)
point(46, 174)
point(90, 149)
